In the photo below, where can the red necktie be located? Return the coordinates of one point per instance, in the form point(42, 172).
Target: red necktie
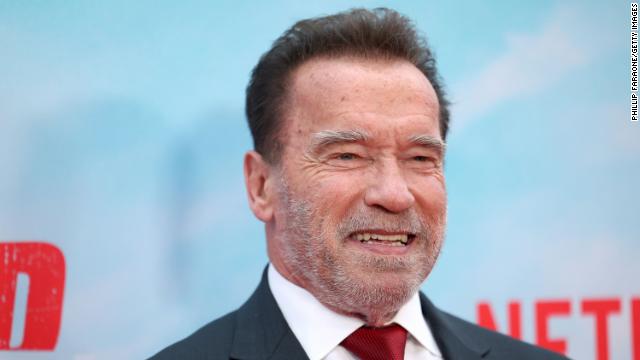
point(383, 343)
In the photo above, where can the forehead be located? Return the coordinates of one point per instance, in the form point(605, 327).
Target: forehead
point(330, 93)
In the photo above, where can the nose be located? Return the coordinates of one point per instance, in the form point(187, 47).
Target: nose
point(388, 189)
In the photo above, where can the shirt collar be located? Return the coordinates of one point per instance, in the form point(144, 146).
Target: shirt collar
point(410, 317)
point(320, 329)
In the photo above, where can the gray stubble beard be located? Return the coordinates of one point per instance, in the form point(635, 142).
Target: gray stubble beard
point(328, 275)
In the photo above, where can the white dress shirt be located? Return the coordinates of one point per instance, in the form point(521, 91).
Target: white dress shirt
point(321, 330)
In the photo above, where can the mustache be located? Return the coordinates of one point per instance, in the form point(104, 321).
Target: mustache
point(371, 219)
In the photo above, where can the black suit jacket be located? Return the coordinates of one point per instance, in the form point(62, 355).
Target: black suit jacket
point(258, 330)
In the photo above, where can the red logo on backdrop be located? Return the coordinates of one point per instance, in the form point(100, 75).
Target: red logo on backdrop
point(44, 266)
point(598, 309)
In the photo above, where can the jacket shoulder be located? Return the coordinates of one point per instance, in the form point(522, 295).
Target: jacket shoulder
point(501, 346)
point(212, 341)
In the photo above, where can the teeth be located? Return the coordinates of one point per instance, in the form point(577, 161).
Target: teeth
point(390, 243)
point(394, 240)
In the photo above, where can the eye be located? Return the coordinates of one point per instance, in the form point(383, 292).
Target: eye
point(347, 156)
point(347, 160)
point(423, 162)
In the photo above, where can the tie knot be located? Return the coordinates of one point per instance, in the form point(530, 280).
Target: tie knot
point(383, 343)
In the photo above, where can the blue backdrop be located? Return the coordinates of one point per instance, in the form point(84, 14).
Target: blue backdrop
point(122, 132)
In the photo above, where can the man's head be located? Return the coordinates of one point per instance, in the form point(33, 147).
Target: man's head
point(349, 178)
point(368, 34)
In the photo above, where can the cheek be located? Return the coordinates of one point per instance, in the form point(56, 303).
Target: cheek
point(431, 194)
point(334, 198)
point(337, 193)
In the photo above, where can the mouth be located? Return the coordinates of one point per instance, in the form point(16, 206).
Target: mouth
point(383, 241)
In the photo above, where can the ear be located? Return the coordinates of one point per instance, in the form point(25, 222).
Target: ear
point(257, 179)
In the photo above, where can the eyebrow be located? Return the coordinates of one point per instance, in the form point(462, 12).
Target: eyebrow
point(429, 141)
point(329, 137)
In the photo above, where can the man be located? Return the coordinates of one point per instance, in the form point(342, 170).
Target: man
point(349, 122)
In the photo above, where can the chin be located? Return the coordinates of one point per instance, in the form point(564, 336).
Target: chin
point(378, 303)
point(369, 295)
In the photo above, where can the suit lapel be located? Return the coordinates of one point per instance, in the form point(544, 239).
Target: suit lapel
point(454, 342)
point(261, 331)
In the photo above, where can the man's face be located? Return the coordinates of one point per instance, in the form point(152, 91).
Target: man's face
point(361, 203)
